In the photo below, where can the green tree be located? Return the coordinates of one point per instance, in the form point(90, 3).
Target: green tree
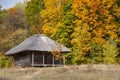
point(64, 34)
point(96, 53)
point(33, 18)
point(3, 14)
point(0, 7)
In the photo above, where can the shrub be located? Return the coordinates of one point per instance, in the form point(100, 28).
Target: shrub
point(110, 52)
point(5, 61)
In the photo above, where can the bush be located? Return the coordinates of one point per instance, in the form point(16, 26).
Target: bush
point(5, 61)
point(110, 52)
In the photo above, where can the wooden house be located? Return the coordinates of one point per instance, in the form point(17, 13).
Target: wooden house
point(36, 51)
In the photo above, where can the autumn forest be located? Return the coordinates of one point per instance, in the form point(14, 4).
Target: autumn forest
point(90, 28)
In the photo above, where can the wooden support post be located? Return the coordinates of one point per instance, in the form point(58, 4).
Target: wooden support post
point(60, 62)
point(53, 60)
point(64, 60)
point(33, 59)
point(43, 59)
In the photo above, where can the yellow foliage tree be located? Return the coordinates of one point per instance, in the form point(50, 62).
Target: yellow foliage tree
point(81, 42)
point(51, 16)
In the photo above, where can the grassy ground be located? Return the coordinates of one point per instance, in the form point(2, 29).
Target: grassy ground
point(81, 72)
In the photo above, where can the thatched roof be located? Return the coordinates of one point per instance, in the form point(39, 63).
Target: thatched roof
point(37, 42)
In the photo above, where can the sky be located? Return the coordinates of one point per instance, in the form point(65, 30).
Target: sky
point(9, 3)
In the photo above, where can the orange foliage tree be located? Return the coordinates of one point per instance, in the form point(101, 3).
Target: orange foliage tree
point(98, 15)
point(95, 23)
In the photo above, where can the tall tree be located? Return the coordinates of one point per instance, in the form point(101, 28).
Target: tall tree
point(51, 16)
point(3, 14)
point(64, 34)
point(117, 20)
point(98, 17)
point(12, 22)
point(32, 11)
point(81, 42)
point(16, 17)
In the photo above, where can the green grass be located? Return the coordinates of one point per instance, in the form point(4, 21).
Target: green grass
point(81, 72)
